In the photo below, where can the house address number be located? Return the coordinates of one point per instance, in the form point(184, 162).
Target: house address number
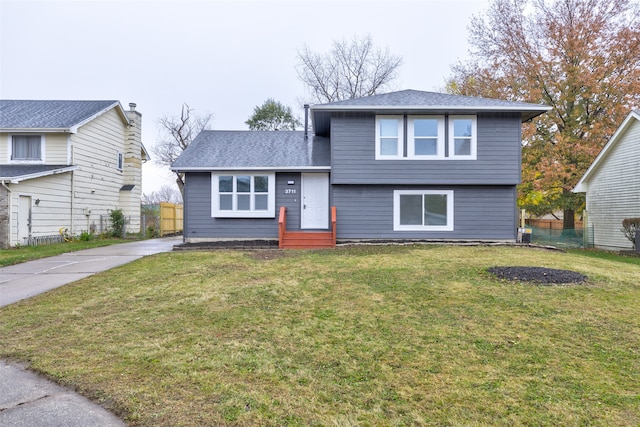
point(289, 191)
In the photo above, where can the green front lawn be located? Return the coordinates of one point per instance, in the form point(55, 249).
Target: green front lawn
point(380, 335)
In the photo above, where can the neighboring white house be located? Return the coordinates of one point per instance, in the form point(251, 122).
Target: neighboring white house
point(612, 186)
point(66, 165)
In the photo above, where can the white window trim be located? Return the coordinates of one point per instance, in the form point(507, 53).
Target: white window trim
point(215, 196)
point(474, 138)
point(120, 161)
point(396, 211)
point(400, 152)
point(411, 143)
point(28, 162)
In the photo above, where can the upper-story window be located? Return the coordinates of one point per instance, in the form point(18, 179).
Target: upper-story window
point(243, 195)
point(427, 137)
point(27, 148)
point(389, 137)
point(462, 137)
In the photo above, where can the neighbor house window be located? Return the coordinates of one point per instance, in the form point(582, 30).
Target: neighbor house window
point(423, 210)
point(462, 137)
point(26, 148)
point(243, 195)
point(425, 136)
point(120, 164)
point(389, 137)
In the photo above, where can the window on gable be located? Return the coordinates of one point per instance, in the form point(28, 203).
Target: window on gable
point(243, 195)
point(423, 210)
point(26, 147)
point(462, 137)
point(425, 136)
point(389, 136)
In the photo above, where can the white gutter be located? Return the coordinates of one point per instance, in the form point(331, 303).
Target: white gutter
point(252, 168)
point(17, 179)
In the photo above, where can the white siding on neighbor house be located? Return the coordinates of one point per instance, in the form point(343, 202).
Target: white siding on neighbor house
point(613, 191)
point(97, 181)
point(56, 148)
point(52, 212)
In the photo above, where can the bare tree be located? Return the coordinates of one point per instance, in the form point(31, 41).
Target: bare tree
point(351, 69)
point(166, 193)
point(178, 133)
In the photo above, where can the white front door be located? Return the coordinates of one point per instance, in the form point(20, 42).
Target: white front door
point(24, 219)
point(315, 201)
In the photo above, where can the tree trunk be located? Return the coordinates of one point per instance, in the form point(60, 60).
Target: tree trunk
point(569, 223)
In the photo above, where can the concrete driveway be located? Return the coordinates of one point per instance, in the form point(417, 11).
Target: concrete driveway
point(27, 399)
point(31, 278)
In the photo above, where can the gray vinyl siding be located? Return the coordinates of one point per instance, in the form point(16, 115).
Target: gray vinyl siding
point(480, 213)
point(498, 155)
point(199, 224)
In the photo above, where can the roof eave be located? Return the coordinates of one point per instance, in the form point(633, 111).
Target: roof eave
point(17, 179)
point(528, 113)
point(39, 130)
point(249, 168)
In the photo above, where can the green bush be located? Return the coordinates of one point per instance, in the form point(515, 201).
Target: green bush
point(85, 236)
point(117, 223)
point(629, 228)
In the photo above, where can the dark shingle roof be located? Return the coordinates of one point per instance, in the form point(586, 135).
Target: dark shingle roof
point(21, 114)
point(416, 101)
point(19, 172)
point(254, 149)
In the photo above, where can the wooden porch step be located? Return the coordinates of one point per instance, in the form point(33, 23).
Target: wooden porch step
point(307, 240)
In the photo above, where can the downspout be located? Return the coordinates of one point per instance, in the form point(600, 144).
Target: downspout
point(70, 160)
point(306, 121)
point(8, 214)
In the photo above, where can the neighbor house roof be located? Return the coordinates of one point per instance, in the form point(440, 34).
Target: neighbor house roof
point(277, 150)
point(16, 173)
point(413, 101)
point(51, 116)
point(581, 186)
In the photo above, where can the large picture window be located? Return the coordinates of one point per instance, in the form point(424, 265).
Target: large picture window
point(26, 148)
point(243, 195)
point(423, 210)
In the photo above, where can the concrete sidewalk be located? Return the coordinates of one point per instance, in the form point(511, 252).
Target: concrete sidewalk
point(27, 399)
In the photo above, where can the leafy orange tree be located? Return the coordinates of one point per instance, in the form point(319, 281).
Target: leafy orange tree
point(582, 58)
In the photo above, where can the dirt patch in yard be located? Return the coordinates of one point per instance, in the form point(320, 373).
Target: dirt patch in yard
point(539, 275)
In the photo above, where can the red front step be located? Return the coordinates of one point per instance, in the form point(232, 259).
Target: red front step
point(307, 240)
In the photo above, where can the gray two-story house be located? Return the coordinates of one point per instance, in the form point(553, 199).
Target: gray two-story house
point(397, 166)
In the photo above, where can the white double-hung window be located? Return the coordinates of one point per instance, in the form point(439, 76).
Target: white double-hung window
point(389, 137)
point(425, 137)
point(463, 137)
point(243, 195)
point(423, 210)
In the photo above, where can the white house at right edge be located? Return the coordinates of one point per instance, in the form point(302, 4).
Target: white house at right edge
point(612, 186)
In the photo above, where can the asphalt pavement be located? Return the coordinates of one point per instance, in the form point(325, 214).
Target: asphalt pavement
point(27, 399)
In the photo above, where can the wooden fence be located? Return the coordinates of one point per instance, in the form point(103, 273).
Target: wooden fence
point(171, 221)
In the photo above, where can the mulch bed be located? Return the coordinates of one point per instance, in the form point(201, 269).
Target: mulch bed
point(539, 275)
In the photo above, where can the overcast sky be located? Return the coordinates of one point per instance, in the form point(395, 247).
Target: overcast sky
point(221, 57)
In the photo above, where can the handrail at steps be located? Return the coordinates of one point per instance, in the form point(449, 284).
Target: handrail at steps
point(282, 226)
point(333, 223)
